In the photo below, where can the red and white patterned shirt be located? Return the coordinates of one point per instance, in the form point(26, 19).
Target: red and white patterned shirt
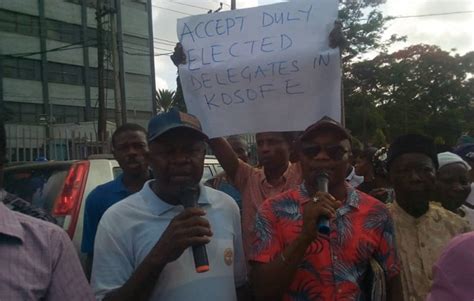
point(334, 266)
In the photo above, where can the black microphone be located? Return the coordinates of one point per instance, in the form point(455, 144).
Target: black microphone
point(322, 180)
point(189, 196)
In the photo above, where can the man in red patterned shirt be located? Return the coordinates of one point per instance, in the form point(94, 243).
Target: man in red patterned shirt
point(291, 260)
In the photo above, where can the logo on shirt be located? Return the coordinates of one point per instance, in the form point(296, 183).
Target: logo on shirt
point(228, 256)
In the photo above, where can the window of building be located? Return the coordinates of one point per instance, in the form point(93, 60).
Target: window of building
point(65, 32)
point(29, 25)
point(23, 112)
point(67, 114)
point(135, 41)
point(7, 21)
point(65, 74)
point(94, 78)
point(19, 23)
point(22, 68)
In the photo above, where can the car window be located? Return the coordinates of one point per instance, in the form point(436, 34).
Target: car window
point(40, 187)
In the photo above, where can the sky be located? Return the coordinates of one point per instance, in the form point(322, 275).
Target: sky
point(447, 31)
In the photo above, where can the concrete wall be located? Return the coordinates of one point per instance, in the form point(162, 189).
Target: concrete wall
point(21, 90)
point(137, 86)
point(17, 43)
point(63, 11)
point(29, 7)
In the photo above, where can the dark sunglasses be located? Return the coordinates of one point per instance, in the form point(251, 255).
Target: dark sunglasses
point(335, 152)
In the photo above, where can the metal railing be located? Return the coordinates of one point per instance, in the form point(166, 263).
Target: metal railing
point(30, 143)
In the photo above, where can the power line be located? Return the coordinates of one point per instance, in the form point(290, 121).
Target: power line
point(147, 54)
point(165, 43)
point(435, 14)
point(61, 48)
point(176, 11)
point(169, 41)
point(189, 5)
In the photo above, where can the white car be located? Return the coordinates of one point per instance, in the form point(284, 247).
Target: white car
point(61, 187)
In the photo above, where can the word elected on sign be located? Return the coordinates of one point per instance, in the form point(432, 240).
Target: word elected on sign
point(271, 60)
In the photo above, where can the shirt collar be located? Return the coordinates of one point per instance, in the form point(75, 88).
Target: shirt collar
point(118, 185)
point(284, 176)
point(160, 207)
point(352, 199)
point(9, 223)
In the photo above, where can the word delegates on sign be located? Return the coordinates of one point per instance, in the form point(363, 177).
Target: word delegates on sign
point(268, 68)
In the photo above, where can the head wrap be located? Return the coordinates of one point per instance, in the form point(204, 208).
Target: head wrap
point(448, 158)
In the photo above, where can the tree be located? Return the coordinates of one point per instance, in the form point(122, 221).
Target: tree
point(363, 26)
point(420, 89)
point(166, 99)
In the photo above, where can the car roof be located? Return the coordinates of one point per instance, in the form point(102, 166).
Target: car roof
point(37, 165)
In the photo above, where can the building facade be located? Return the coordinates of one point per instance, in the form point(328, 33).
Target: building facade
point(49, 65)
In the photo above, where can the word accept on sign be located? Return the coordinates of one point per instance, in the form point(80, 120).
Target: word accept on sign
point(268, 68)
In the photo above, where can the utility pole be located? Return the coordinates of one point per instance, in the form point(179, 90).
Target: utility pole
point(233, 5)
point(102, 124)
point(115, 63)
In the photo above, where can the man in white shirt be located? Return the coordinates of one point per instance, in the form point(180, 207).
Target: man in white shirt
point(143, 243)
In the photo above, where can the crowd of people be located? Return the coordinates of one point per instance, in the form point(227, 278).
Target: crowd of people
point(399, 221)
point(397, 235)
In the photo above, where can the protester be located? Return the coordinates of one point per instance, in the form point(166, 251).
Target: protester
point(276, 175)
point(273, 148)
point(454, 271)
point(453, 184)
point(364, 168)
point(371, 164)
point(129, 147)
point(220, 181)
point(142, 249)
point(291, 260)
point(466, 152)
point(422, 228)
point(352, 178)
point(37, 258)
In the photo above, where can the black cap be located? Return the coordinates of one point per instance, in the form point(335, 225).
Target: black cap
point(325, 123)
point(412, 143)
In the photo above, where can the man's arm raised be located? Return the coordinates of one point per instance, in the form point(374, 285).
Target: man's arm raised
point(226, 156)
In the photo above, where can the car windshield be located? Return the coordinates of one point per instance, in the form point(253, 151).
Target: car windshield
point(39, 186)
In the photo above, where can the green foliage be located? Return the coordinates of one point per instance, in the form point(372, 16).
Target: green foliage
point(363, 26)
point(419, 89)
point(167, 99)
point(164, 100)
point(379, 138)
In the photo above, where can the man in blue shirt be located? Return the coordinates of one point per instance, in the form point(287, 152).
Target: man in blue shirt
point(129, 148)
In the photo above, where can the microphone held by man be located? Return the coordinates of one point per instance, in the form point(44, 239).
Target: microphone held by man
point(322, 182)
point(189, 196)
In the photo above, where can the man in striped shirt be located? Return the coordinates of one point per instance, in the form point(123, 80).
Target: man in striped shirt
point(37, 259)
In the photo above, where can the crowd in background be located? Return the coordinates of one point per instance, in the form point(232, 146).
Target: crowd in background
point(394, 214)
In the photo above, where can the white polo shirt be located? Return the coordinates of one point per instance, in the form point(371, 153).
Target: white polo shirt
point(129, 229)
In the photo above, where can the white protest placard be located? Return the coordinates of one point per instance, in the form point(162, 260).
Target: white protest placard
point(268, 68)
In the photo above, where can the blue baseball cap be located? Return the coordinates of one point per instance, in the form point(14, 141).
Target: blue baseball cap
point(173, 119)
